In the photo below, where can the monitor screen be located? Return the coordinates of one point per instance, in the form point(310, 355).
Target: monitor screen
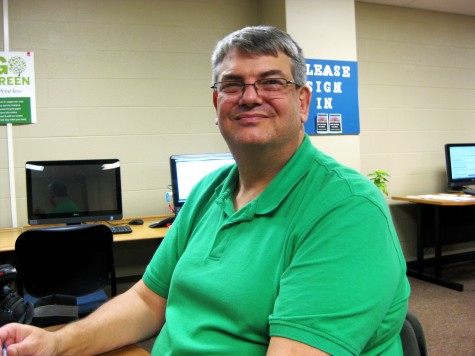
point(72, 192)
point(460, 164)
point(187, 170)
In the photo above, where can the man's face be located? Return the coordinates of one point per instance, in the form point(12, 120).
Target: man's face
point(256, 118)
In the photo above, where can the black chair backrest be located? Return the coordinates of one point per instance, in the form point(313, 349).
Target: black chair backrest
point(74, 260)
point(412, 337)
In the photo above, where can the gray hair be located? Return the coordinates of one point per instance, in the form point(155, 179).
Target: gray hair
point(261, 40)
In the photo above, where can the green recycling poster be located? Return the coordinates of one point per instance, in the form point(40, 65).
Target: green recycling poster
point(17, 88)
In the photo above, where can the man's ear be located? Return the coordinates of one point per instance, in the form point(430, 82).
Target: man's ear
point(305, 95)
point(215, 99)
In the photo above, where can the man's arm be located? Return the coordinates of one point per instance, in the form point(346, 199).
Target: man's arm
point(280, 346)
point(130, 317)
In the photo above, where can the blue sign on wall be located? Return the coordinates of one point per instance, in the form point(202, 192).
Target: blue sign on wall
point(334, 107)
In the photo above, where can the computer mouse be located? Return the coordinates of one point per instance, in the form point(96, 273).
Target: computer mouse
point(162, 223)
point(136, 222)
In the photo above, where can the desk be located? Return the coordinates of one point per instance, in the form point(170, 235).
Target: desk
point(8, 236)
point(430, 218)
point(131, 350)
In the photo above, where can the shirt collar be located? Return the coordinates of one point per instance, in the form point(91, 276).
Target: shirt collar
point(278, 188)
point(287, 178)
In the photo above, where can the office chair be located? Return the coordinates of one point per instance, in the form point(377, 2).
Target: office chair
point(68, 260)
point(412, 337)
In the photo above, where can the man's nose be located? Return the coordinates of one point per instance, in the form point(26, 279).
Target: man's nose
point(250, 92)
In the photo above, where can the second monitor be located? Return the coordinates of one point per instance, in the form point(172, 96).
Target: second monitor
point(187, 170)
point(460, 165)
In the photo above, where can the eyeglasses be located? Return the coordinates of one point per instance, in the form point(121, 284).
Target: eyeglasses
point(267, 86)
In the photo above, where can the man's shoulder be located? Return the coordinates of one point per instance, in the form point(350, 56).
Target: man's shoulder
point(331, 181)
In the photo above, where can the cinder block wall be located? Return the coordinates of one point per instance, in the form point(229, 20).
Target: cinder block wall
point(417, 93)
point(124, 79)
point(130, 80)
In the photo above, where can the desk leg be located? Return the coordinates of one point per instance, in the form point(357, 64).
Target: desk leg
point(420, 238)
point(420, 263)
point(437, 243)
point(431, 279)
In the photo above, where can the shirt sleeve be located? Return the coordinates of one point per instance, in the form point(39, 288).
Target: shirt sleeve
point(158, 273)
point(346, 272)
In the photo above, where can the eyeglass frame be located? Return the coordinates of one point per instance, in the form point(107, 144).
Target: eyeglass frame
point(244, 85)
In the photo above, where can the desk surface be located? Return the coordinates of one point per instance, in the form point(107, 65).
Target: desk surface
point(439, 199)
point(131, 350)
point(431, 232)
point(8, 236)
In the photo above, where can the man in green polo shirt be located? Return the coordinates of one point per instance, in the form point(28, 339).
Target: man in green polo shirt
point(285, 253)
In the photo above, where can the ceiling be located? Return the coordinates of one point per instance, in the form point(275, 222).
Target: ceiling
point(463, 7)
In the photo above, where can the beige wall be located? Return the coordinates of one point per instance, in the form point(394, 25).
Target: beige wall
point(308, 22)
point(417, 92)
point(129, 79)
point(122, 79)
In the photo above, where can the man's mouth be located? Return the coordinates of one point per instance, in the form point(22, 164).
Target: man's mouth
point(250, 117)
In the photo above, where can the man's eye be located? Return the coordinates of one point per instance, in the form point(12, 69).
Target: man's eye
point(233, 86)
point(271, 82)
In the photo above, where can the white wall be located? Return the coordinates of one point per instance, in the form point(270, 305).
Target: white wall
point(125, 79)
point(309, 21)
point(417, 92)
point(130, 78)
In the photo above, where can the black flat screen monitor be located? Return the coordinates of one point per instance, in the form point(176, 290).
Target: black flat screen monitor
point(187, 170)
point(460, 165)
point(73, 192)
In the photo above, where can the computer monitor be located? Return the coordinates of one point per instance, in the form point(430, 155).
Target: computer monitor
point(460, 165)
point(187, 170)
point(72, 192)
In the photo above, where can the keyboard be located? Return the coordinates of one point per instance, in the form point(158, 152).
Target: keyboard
point(121, 229)
point(469, 191)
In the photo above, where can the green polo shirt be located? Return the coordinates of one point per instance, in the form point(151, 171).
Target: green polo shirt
point(314, 258)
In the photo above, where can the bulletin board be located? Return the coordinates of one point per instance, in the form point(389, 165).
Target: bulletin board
point(334, 108)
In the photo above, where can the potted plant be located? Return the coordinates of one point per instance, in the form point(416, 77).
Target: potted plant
point(380, 179)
